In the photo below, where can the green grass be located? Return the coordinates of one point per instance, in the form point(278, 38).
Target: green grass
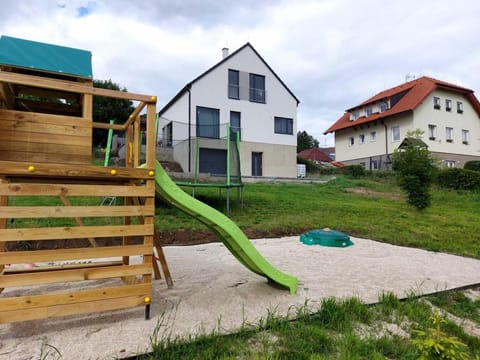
point(378, 211)
point(338, 329)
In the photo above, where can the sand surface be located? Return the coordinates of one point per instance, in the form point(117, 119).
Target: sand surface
point(212, 290)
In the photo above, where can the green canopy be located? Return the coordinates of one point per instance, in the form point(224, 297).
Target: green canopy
point(45, 57)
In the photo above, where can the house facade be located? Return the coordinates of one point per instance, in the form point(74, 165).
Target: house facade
point(242, 95)
point(448, 115)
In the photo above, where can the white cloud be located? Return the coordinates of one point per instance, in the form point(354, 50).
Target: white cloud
point(331, 54)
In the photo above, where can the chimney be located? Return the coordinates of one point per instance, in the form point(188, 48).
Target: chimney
point(224, 52)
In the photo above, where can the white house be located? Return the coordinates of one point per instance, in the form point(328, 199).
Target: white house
point(448, 114)
point(243, 91)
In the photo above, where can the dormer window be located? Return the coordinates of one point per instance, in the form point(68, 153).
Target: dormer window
point(436, 102)
point(368, 111)
point(355, 115)
point(383, 107)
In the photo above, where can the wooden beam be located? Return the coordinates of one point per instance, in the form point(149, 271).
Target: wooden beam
point(65, 170)
point(69, 303)
point(26, 257)
point(76, 232)
point(70, 86)
point(71, 275)
point(38, 212)
point(27, 189)
point(78, 220)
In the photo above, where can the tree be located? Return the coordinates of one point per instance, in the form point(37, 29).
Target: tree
point(306, 141)
point(106, 109)
point(415, 169)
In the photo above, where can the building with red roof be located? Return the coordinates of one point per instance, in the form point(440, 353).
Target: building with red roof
point(448, 114)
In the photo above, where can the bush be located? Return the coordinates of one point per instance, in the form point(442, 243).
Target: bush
point(314, 168)
point(415, 169)
point(354, 171)
point(459, 179)
point(473, 165)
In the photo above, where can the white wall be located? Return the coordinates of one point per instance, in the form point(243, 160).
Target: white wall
point(425, 114)
point(382, 145)
point(257, 120)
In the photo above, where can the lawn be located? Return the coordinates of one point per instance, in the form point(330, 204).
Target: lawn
point(373, 208)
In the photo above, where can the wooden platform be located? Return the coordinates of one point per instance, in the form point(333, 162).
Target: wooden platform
point(51, 191)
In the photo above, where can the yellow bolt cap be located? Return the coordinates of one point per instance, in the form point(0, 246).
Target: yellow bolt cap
point(154, 98)
point(151, 173)
point(31, 168)
point(113, 172)
point(147, 299)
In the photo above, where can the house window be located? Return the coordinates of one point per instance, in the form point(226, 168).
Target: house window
point(449, 134)
point(361, 139)
point(436, 102)
point(368, 111)
point(235, 127)
point(355, 115)
point(448, 104)
point(373, 164)
point(168, 134)
point(283, 125)
point(351, 141)
point(383, 107)
point(257, 88)
point(396, 133)
point(373, 136)
point(465, 136)
point(450, 163)
point(459, 107)
point(233, 84)
point(208, 124)
point(432, 132)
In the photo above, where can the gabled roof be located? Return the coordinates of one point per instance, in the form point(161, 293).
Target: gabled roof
point(414, 93)
point(32, 55)
point(189, 85)
point(314, 154)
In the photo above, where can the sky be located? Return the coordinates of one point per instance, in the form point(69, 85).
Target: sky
point(332, 54)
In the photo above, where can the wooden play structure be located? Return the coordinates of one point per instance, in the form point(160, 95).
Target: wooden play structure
point(46, 156)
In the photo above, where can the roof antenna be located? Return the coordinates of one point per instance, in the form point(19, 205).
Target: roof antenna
point(409, 77)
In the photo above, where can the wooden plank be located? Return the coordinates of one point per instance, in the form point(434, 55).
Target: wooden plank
point(75, 232)
point(37, 156)
point(18, 146)
point(27, 189)
point(87, 106)
point(81, 140)
point(26, 257)
point(151, 140)
point(70, 86)
point(66, 170)
point(63, 304)
point(60, 266)
point(37, 122)
point(97, 125)
point(80, 274)
point(47, 107)
point(162, 259)
point(134, 116)
point(19, 212)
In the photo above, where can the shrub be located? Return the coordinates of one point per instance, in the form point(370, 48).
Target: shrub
point(354, 171)
point(415, 169)
point(459, 179)
point(472, 165)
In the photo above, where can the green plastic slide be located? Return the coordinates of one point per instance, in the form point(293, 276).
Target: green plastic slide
point(230, 234)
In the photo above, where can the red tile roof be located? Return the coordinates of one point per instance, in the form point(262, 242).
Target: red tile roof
point(314, 154)
point(416, 91)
